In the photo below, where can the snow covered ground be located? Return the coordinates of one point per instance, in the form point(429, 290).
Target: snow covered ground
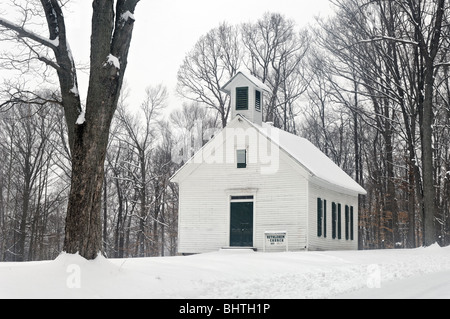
point(237, 274)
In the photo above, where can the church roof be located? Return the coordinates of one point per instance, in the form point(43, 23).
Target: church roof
point(310, 157)
point(257, 82)
point(319, 166)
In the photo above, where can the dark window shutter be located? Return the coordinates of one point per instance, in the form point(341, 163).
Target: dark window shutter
point(242, 98)
point(351, 223)
point(257, 100)
point(319, 217)
point(347, 221)
point(333, 220)
point(324, 218)
point(339, 222)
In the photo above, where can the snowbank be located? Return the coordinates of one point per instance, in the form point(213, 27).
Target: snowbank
point(243, 274)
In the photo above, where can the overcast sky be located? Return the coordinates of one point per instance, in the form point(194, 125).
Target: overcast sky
point(165, 30)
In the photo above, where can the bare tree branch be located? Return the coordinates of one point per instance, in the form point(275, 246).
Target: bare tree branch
point(22, 32)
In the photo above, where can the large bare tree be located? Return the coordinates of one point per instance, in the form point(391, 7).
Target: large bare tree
point(88, 130)
point(275, 53)
point(215, 58)
point(395, 52)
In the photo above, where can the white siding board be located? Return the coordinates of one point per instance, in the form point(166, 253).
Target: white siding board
point(286, 200)
point(279, 203)
point(328, 243)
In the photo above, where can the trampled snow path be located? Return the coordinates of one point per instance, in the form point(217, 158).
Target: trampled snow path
point(242, 274)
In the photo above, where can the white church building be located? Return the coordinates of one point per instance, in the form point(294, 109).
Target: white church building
point(256, 186)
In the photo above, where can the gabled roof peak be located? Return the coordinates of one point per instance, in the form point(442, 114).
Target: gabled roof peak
point(310, 157)
point(317, 164)
point(257, 82)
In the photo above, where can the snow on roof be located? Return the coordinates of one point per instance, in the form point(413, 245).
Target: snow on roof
point(309, 156)
point(257, 82)
point(306, 154)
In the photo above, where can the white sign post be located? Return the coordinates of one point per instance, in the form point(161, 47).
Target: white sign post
point(275, 238)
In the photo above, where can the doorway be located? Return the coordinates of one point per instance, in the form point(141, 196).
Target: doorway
point(241, 224)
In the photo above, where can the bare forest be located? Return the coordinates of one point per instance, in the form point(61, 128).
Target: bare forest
point(369, 86)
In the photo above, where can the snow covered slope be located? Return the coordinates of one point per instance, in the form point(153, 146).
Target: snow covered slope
point(243, 274)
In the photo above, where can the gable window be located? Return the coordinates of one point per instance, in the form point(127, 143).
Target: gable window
point(242, 98)
point(258, 101)
point(241, 158)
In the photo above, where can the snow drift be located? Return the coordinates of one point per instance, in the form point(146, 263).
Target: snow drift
point(237, 274)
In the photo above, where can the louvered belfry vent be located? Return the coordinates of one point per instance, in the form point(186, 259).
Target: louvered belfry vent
point(242, 98)
point(246, 96)
point(257, 100)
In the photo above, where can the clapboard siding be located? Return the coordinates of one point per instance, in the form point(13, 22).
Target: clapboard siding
point(285, 199)
point(321, 243)
point(280, 203)
point(284, 173)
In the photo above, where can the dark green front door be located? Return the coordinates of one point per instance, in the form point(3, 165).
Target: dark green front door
point(241, 224)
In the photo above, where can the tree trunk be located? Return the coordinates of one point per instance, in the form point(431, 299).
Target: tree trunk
point(23, 218)
point(119, 229)
point(427, 158)
point(428, 52)
point(105, 215)
point(83, 222)
point(110, 41)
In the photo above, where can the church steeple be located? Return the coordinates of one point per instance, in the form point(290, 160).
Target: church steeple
point(246, 92)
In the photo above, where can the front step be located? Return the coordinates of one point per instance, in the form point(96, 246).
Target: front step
point(238, 248)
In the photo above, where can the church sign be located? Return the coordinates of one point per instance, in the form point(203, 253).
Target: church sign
point(275, 238)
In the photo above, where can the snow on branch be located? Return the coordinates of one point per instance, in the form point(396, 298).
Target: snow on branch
point(81, 118)
point(383, 37)
point(127, 15)
point(23, 32)
point(112, 60)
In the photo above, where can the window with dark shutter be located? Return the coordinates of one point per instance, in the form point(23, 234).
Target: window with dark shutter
point(339, 233)
point(258, 101)
point(242, 98)
point(347, 222)
point(241, 157)
point(324, 218)
point(333, 220)
point(319, 217)
point(351, 223)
